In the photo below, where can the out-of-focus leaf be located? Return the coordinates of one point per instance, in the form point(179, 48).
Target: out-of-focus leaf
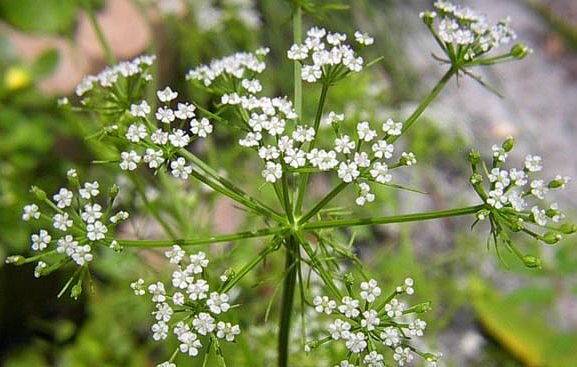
point(526, 336)
point(41, 16)
point(45, 64)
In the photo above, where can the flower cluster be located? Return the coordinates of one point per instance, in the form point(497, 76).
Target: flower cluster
point(514, 196)
point(286, 146)
point(160, 141)
point(331, 58)
point(466, 35)
point(108, 89)
point(188, 308)
point(369, 325)
point(76, 221)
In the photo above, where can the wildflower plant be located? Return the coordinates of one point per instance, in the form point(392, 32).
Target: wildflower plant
point(156, 131)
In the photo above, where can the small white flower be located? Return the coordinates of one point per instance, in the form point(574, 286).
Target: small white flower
point(344, 144)
point(159, 137)
point(365, 132)
point(298, 52)
point(179, 169)
point(382, 149)
point(272, 172)
point(175, 255)
point(533, 163)
point(380, 172)
point(349, 307)
point(339, 329)
point(201, 128)
point(165, 114)
point(91, 213)
point(96, 231)
point(311, 73)
point(140, 110)
point(63, 198)
point(364, 38)
point(394, 308)
point(370, 320)
point(30, 211)
point(227, 331)
point(218, 303)
point(158, 292)
point(348, 172)
point(189, 343)
point(402, 355)
point(61, 221)
point(129, 161)
point(370, 290)
point(40, 266)
point(154, 158)
point(90, 190)
point(163, 312)
point(417, 327)
point(185, 111)
point(197, 263)
point(136, 132)
point(365, 194)
point(198, 290)
point(356, 342)
point(166, 95)
point(203, 323)
point(179, 138)
point(138, 287)
point(391, 336)
point(41, 240)
point(392, 128)
point(324, 304)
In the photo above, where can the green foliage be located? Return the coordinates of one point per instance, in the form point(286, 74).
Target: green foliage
point(40, 16)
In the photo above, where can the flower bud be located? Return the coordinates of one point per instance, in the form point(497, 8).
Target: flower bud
point(531, 261)
point(15, 259)
point(76, 290)
point(428, 17)
point(482, 214)
point(474, 157)
point(40, 194)
point(568, 228)
point(519, 51)
point(508, 144)
point(423, 307)
point(115, 246)
point(551, 238)
point(113, 191)
point(558, 183)
point(475, 179)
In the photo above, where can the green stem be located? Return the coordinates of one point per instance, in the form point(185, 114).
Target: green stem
point(225, 187)
point(425, 102)
point(204, 240)
point(341, 223)
point(305, 178)
point(110, 58)
point(297, 38)
point(289, 285)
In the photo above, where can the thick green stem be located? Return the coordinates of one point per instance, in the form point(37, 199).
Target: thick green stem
point(289, 285)
point(110, 58)
point(202, 241)
point(417, 217)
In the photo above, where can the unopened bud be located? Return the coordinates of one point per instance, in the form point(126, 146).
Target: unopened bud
point(551, 238)
point(15, 260)
point(40, 194)
point(423, 307)
point(531, 261)
point(568, 228)
point(483, 214)
point(520, 50)
point(474, 157)
point(428, 17)
point(113, 191)
point(508, 144)
point(476, 179)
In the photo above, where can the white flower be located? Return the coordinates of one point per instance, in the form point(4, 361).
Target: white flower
point(66, 245)
point(407, 287)
point(348, 171)
point(218, 303)
point(370, 290)
point(138, 287)
point(345, 363)
point(40, 266)
point(136, 132)
point(166, 95)
point(365, 194)
point(63, 198)
point(197, 262)
point(129, 161)
point(364, 38)
point(118, 217)
point(382, 149)
point(251, 139)
point(154, 158)
point(295, 157)
point(227, 331)
point(166, 364)
point(365, 132)
point(158, 292)
point(140, 110)
point(380, 173)
point(91, 213)
point(324, 304)
point(272, 172)
point(165, 114)
point(392, 128)
point(370, 320)
point(303, 133)
point(96, 231)
point(179, 169)
point(61, 221)
point(181, 279)
point(391, 336)
point(499, 153)
point(159, 137)
point(539, 216)
point(179, 138)
point(175, 255)
point(163, 312)
point(344, 144)
point(394, 308)
point(90, 190)
point(538, 189)
point(30, 211)
point(356, 342)
point(349, 307)
point(198, 290)
point(201, 128)
point(408, 159)
point(298, 52)
point(189, 343)
point(185, 111)
point(533, 163)
point(311, 73)
point(374, 359)
point(41, 240)
point(417, 327)
point(203, 323)
point(402, 355)
point(253, 86)
point(339, 329)
point(268, 152)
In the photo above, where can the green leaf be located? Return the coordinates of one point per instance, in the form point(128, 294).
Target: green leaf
point(40, 16)
point(46, 63)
